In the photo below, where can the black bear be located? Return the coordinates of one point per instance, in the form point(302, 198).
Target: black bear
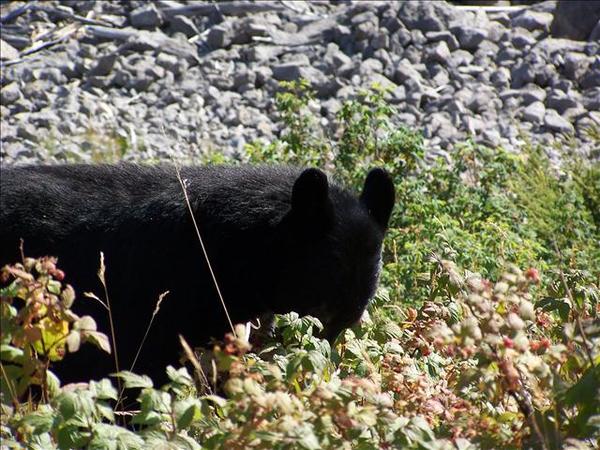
point(279, 239)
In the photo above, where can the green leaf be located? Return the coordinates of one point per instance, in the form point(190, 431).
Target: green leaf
point(67, 405)
point(180, 376)
point(132, 380)
point(10, 353)
point(114, 437)
point(104, 390)
point(71, 436)
point(187, 411)
point(41, 421)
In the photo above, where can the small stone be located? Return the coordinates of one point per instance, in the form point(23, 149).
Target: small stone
point(522, 38)
point(146, 16)
point(217, 37)
point(560, 101)
point(7, 51)
point(27, 131)
point(469, 38)
point(591, 99)
point(501, 77)
point(479, 102)
point(575, 65)
point(522, 74)
point(405, 71)
point(532, 20)
point(370, 65)
point(460, 58)
point(381, 40)
point(491, 137)
point(52, 74)
point(445, 36)
point(167, 61)
point(103, 66)
point(9, 93)
point(183, 24)
point(440, 53)
point(533, 93)
point(555, 122)
point(535, 112)
point(287, 71)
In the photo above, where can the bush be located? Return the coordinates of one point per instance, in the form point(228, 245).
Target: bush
point(484, 332)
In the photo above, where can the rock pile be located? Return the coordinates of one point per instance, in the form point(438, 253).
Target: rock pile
point(174, 79)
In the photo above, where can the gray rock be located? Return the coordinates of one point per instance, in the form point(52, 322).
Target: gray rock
point(8, 132)
point(532, 93)
point(535, 112)
point(591, 78)
point(244, 79)
point(402, 36)
point(146, 16)
point(560, 101)
point(522, 38)
point(460, 58)
point(405, 71)
point(445, 36)
point(9, 93)
point(479, 102)
point(491, 137)
point(381, 80)
point(288, 71)
point(218, 37)
point(381, 40)
point(500, 78)
point(522, 74)
point(168, 61)
point(335, 57)
point(7, 51)
point(27, 131)
point(441, 126)
point(424, 16)
point(441, 78)
point(468, 37)
point(507, 56)
point(439, 53)
point(591, 99)
point(104, 65)
point(532, 20)
point(398, 95)
point(183, 24)
point(575, 65)
point(554, 122)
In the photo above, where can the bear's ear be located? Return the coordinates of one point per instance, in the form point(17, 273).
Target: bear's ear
point(378, 196)
point(310, 199)
point(310, 190)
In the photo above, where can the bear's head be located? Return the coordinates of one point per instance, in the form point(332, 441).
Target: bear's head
point(333, 248)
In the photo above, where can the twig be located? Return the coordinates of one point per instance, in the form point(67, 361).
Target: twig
point(101, 273)
point(226, 8)
point(68, 15)
point(154, 313)
point(212, 273)
point(194, 361)
point(10, 385)
point(43, 45)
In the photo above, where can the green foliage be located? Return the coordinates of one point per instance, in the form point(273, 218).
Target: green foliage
point(38, 326)
point(443, 358)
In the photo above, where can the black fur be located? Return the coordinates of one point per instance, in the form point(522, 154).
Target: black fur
point(279, 239)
